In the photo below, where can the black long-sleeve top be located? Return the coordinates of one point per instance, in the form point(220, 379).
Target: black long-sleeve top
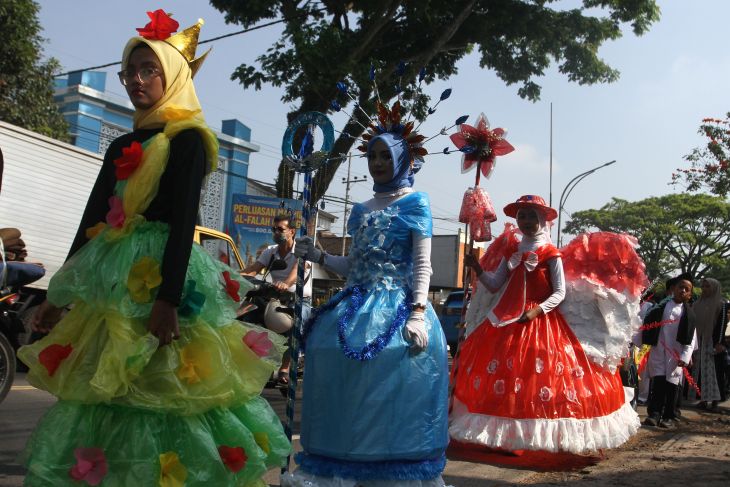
point(176, 202)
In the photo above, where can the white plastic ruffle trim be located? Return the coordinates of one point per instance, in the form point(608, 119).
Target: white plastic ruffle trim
point(302, 479)
point(479, 305)
point(602, 319)
point(565, 434)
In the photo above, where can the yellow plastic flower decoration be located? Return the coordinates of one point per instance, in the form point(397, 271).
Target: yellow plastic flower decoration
point(143, 277)
point(172, 472)
point(262, 440)
point(92, 232)
point(194, 364)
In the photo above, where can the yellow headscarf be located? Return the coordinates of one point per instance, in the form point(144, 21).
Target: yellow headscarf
point(178, 109)
point(179, 98)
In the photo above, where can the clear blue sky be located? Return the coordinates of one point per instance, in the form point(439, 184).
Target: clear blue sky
point(671, 78)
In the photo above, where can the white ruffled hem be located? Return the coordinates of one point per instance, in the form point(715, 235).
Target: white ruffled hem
point(554, 435)
point(302, 479)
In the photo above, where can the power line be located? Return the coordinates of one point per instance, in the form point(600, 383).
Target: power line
point(249, 29)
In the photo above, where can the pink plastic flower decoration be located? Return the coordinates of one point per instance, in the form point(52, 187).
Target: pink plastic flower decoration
point(115, 217)
point(480, 143)
point(259, 343)
point(90, 465)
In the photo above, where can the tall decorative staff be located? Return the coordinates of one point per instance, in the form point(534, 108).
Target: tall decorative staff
point(480, 146)
point(305, 161)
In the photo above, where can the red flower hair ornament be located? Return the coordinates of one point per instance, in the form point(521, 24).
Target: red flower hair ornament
point(480, 143)
point(160, 27)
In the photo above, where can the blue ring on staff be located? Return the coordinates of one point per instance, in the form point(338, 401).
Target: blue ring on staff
point(309, 118)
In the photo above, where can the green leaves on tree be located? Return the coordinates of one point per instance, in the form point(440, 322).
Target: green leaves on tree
point(26, 83)
point(676, 232)
point(329, 41)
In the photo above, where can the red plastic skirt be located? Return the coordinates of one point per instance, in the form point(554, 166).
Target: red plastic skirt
point(531, 386)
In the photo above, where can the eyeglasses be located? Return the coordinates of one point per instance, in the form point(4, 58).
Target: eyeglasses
point(144, 75)
point(279, 229)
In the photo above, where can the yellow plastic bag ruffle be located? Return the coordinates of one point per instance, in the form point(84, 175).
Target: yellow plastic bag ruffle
point(115, 360)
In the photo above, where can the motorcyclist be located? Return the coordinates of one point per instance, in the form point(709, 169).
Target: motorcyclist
point(283, 278)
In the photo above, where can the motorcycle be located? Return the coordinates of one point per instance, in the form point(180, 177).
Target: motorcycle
point(264, 303)
point(8, 341)
point(13, 306)
point(270, 308)
point(266, 306)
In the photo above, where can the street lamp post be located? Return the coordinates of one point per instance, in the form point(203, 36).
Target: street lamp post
point(569, 188)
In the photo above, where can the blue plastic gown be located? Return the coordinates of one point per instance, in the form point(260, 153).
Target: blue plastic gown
point(393, 406)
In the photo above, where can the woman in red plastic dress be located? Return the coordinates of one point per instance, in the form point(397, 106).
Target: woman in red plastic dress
point(525, 382)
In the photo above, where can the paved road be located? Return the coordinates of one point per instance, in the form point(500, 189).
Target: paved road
point(24, 405)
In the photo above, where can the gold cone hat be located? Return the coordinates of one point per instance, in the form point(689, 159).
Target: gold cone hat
point(186, 42)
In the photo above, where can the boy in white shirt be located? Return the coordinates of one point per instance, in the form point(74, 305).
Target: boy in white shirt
point(672, 345)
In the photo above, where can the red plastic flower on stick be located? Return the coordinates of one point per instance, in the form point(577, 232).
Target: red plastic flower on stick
point(129, 161)
point(480, 143)
point(91, 466)
point(259, 343)
point(52, 356)
point(232, 286)
point(233, 457)
point(160, 27)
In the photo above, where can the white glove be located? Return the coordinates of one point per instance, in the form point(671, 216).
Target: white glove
point(305, 249)
point(415, 332)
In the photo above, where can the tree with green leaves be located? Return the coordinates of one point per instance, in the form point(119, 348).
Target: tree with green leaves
point(327, 41)
point(26, 83)
point(687, 232)
point(709, 164)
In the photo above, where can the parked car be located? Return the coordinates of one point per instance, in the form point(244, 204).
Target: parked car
point(219, 245)
point(450, 318)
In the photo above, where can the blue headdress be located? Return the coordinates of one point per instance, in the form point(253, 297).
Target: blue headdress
point(402, 139)
point(404, 143)
point(404, 166)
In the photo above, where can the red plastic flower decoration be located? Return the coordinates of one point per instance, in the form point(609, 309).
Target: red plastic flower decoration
point(160, 26)
point(90, 465)
point(258, 342)
point(480, 143)
point(129, 161)
point(232, 286)
point(52, 356)
point(115, 216)
point(233, 457)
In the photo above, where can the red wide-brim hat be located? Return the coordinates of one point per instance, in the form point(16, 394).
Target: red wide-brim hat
point(531, 201)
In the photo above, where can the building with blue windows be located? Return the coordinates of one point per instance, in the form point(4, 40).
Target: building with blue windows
point(96, 117)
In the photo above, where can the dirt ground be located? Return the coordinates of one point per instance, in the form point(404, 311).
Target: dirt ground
point(696, 453)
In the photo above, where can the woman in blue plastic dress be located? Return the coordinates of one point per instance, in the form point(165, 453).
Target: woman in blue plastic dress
point(376, 380)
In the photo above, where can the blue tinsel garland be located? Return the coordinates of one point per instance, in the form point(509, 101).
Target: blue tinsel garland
point(372, 349)
point(386, 470)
